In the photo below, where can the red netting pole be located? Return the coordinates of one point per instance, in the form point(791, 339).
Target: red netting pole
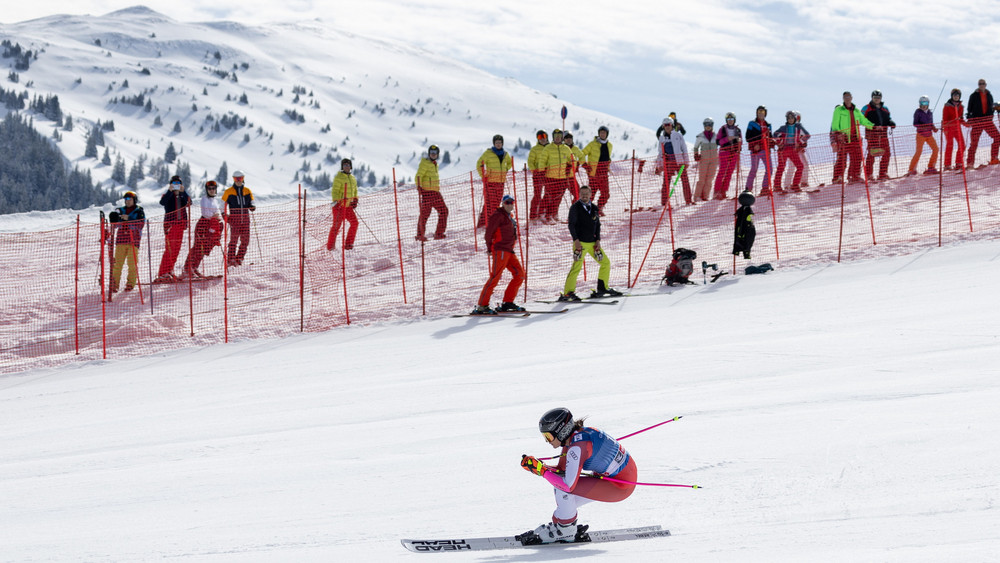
point(965, 180)
point(631, 207)
point(225, 275)
point(76, 290)
point(138, 280)
point(520, 246)
point(774, 214)
point(399, 235)
point(302, 259)
point(472, 197)
point(190, 277)
point(104, 298)
point(940, 168)
point(423, 281)
point(343, 271)
point(527, 228)
point(840, 238)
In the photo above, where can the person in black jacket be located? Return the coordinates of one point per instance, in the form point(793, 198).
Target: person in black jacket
point(981, 109)
point(878, 137)
point(127, 223)
point(175, 202)
point(585, 228)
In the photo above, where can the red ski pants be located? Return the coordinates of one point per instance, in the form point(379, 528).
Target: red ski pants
point(502, 260)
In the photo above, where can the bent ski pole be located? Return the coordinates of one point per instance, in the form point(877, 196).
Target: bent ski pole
point(650, 428)
point(612, 479)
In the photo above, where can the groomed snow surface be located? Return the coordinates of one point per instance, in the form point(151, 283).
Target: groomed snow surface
point(831, 413)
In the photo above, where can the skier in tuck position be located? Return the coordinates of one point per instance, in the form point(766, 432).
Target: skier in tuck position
point(583, 449)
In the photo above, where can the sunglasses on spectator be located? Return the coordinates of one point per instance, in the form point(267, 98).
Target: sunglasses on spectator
point(175, 184)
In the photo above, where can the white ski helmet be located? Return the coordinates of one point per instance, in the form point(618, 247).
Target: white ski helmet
point(925, 101)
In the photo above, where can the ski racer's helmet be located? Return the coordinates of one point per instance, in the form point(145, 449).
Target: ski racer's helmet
point(557, 422)
point(131, 194)
point(497, 137)
point(708, 122)
point(925, 101)
point(746, 199)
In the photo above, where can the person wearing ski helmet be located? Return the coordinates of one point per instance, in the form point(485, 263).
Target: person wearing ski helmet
point(126, 224)
point(175, 202)
point(759, 141)
point(238, 199)
point(429, 191)
point(730, 140)
point(677, 126)
point(557, 160)
point(952, 121)
point(878, 136)
point(537, 167)
point(207, 232)
point(493, 166)
point(597, 161)
point(706, 155)
point(980, 114)
point(574, 186)
point(673, 151)
point(923, 120)
point(788, 138)
point(845, 139)
point(501, 234)
point(583, 449)
point(345, 199)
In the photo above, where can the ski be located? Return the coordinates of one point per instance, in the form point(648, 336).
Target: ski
point(582, 301)
point(185, 280)
point(546, 312)
point(511, 314)
point(511, 542)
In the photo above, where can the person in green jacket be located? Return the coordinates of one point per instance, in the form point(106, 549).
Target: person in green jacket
point(429, 188)
point(597, 161)
point(537, 168)
point(845, 138)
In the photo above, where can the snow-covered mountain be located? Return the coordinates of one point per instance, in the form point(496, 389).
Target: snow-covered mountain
point(279, 102)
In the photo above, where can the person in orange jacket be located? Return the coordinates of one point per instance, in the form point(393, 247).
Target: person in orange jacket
point(952, 121)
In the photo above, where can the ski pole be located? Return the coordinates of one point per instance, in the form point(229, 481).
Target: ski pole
point(676, 179)
point(625, 436)
point(647, 484)
point(367, 227)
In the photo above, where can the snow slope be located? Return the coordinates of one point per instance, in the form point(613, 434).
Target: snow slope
point(832, 413)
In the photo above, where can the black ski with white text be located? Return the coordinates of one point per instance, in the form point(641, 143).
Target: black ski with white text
point(511, 542)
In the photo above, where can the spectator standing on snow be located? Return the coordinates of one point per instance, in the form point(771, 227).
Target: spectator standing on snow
point(675, 161)
point(759, 141)
point(557, 160)
point(238, 199)
point(677, 126)
point(878, 136)
point(730, 140)
point(345, 200)
point(981, 109)
point(952, 121)
point(706, 155)
point(923, 120)
point(501, 234)
point(845, 139)
point(207, 232)
point(597, 160)
point(585, 229)
point(493, 166)
point(175, 202)
point(788, 138)
point(127, 223)
point(583, 449)
point(429, 190)
point(574, 186)
point(536, 165)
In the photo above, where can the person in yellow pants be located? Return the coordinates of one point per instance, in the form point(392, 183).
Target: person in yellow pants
point(127, 223)
point(585, 228)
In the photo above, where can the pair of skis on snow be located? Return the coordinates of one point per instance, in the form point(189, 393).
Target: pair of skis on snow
point(513, 542)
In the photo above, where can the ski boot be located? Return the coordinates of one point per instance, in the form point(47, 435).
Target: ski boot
point(510, 307)
point(482, 310)
point(554, 533)
point(571, 296)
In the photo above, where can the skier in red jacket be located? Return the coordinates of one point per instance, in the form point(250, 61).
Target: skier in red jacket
point(501, 234)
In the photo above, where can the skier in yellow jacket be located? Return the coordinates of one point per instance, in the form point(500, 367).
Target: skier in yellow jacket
point(345, 199)
point(537, 174)
point(429, 188)
point(557, 160)
point(493, 167)
point(574, 186)
point(597, 161)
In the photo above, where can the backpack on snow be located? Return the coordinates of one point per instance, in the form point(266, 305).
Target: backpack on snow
point(680, 267)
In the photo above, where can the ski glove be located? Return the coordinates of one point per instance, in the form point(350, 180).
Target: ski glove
point(533, 465)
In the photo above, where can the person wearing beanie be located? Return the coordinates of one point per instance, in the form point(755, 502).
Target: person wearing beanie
point(175, 202)
point(730, 140)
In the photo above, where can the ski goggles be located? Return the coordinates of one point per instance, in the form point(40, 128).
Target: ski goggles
point(548, 436)
point(175, 183)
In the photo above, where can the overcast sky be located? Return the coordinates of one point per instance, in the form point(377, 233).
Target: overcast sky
point(640, 60)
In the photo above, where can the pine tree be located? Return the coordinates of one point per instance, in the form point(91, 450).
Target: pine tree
point(134, 175)
point(118, 173)
point(171, 154)
point(106, 159)
point(177, 127)
point(91, 150)
point(223, 176)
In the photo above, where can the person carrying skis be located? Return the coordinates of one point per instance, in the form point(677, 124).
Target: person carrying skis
point(923, 120)
point(878, 136)
point(239, 200)
point(585, 228)
point(175, 202)
point(583, 449)
point(952, 121)
point(789, 137)
point(537, 166)
point(675, 161)
point(128, 221)
point(759, 141)
point(501, 234)
point(207, 232)
point(706, 154)
point(429, 190)
point(345, 199)
point(597, 160)
point(845, 139)
point(493, 166)
point(730, 140)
